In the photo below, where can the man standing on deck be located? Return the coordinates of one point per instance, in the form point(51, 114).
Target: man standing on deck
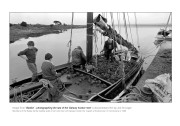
point(29, 55)
point(78, 57)
point(109, 45)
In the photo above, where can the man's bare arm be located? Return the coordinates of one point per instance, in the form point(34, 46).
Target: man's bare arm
point(24, 57)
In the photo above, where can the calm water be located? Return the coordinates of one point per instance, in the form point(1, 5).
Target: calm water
point(56, 44)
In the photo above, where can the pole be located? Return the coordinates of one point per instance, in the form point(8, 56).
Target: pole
point(167, 22)
point(70, 42)
point(89, 44)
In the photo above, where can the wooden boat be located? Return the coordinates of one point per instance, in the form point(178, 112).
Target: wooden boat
point(86, 91)
point(81, 86)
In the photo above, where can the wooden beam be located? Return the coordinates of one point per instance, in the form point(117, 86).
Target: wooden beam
point(89, 44)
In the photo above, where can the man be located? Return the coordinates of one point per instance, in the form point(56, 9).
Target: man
point(78, 57)
point(49, 73)
point(29, 55)
point(48, 69)
point(109, 45)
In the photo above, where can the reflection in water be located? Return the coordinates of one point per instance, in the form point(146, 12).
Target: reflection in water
point(56, 44)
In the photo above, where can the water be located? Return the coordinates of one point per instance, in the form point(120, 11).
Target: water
point(56, 44)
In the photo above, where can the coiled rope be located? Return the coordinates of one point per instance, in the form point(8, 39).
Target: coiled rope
point(34, 95)
point(128, 97)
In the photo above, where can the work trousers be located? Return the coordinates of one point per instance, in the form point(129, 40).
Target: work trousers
point(108, 54)
point(32, 67)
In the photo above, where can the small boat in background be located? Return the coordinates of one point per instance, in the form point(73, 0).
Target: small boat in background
point(164, 34)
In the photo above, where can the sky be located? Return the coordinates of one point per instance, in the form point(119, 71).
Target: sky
point(81, 18)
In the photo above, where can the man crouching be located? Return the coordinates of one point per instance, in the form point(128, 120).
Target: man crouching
point(78, 58)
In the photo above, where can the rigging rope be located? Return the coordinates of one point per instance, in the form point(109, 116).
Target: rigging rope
point(130, 28)
point(112, 21)
point(75, 98)
point(150, 52)
point(119, 28)
point(96, 47)
point(125, 26)
point(70, 42)
point(168, 21)
point(137, 32)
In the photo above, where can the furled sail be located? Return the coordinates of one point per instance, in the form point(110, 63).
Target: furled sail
point(106, 30)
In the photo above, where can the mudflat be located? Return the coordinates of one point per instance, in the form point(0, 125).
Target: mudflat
point(162, 63)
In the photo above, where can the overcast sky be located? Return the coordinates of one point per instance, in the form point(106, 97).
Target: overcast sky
point(81, 18)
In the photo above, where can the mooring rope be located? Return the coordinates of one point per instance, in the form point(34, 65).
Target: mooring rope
point(68, 98)
point(149, 52)
point(76, 98)
point(137, 95)
point(105, 98)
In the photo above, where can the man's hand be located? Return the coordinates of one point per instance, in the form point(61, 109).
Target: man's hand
point(24, 57)
point(101, 51)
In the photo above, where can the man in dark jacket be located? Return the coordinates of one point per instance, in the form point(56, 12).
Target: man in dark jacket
point(29, 55)
point(78, 57)
point(109, 45)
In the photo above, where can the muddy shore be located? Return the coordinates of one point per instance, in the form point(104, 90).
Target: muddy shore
point(17, 32)
point(162, 63)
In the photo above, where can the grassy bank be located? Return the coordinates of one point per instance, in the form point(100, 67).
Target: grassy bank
point(17, 31)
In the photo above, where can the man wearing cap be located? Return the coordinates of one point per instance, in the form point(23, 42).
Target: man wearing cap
point(109, 45)
point(78, 57)
point(29, 55)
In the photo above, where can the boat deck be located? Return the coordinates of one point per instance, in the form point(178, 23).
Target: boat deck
point(81, 89)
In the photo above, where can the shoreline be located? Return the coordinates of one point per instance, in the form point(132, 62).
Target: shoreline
point(17, 32)
point(162, 63)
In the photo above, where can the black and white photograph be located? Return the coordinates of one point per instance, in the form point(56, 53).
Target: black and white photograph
point(90, 57)
point(89, 63)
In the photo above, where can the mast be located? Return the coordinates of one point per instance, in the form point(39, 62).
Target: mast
point(167, 22)
point(89, 44)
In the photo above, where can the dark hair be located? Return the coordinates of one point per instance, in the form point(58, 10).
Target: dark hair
point(30, 43)
point(79, 47)
point(48, 56)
